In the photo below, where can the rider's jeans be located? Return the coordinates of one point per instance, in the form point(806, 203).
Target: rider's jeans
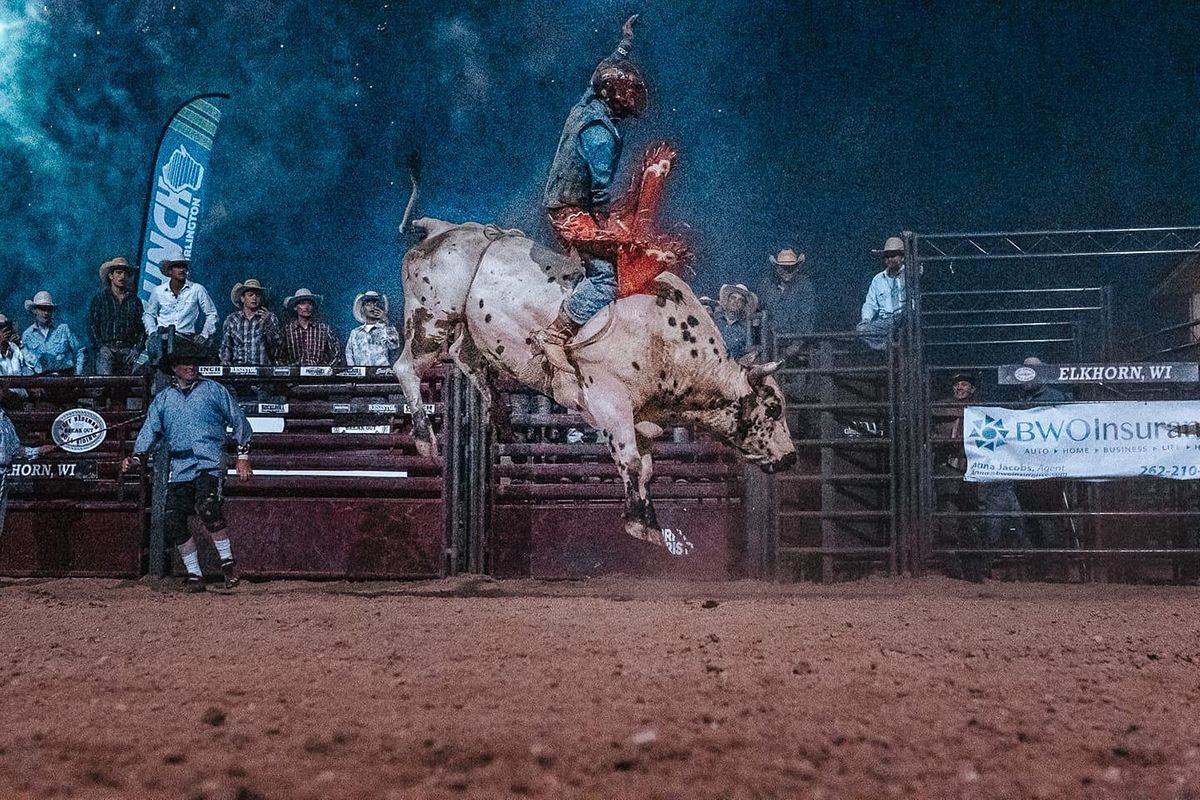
point(594, 292)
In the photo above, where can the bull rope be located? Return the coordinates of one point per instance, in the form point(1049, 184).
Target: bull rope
point(494, 233)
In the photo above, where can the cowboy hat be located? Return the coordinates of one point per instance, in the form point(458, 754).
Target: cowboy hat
point(969, 377)
point(120, 262)
point(365, 296)
point(40, 300)
point(240, 289)
point(165, 265)
point(787, 257)
point(894, 244)
point(730, 289)
point(185, 351)
point(302, 294)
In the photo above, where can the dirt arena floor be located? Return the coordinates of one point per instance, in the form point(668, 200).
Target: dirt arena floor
point(599, 689)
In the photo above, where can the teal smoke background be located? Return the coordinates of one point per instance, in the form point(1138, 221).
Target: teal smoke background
point(824, 126)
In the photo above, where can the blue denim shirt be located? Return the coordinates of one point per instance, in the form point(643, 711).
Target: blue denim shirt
point(886, 296)
point(736, 334)
point(586, 159)
point(10, 446)
point(193, 423)
point(49, 352)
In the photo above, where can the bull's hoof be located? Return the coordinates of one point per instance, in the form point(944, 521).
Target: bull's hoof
point(638, 530)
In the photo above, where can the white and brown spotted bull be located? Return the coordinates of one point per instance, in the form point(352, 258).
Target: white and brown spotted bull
point(644, 362)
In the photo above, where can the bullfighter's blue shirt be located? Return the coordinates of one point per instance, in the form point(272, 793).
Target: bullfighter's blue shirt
point(193, 421)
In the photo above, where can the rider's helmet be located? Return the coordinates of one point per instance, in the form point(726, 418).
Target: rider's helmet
point(619, 83)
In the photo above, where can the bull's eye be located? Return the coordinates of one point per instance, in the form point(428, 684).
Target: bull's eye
point(774, 411)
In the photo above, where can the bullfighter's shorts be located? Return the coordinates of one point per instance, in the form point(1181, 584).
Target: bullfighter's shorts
point(200, 496)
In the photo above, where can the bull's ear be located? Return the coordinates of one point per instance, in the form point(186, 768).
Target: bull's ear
point(748, 359)
point(763, 370)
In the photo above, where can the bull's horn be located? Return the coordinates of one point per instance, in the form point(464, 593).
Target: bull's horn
point(763, 370)
point(648, 429)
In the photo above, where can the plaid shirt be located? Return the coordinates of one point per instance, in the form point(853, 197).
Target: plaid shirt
point(116, 323)
point(314, 346)
point(372, 344)
point(52, 351)
point(253, 342)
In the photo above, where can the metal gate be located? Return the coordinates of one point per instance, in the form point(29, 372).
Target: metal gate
point(966, 314)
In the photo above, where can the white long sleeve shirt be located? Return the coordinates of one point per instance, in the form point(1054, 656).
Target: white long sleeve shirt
point(192, 312)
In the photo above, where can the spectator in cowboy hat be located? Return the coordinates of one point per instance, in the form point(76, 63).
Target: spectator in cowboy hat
point(115, 320)
point(178, 307)
point(786, 294)
point(308, 342)
point(887, 297)
point(737, 305)
point(374, 343)
point(251, 336)
point(50, 348)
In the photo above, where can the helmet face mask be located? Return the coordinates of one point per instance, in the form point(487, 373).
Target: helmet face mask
point(621, 86)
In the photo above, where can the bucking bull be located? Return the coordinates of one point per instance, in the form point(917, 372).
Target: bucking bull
point(644, 362)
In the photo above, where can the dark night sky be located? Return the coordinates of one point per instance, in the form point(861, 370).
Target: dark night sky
point(820, 125)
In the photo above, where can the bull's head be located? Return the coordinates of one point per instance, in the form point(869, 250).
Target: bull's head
point(754, 423)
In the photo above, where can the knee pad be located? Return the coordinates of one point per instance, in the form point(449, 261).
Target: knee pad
point(208, 508)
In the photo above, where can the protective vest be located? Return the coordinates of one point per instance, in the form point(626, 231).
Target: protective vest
point(570, 181)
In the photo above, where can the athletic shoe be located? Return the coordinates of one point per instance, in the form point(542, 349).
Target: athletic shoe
point(193, 584)
point(227, 569)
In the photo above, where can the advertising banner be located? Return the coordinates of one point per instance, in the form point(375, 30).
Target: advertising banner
point(1084, 440)
point(177, 187)
point(1140, 372)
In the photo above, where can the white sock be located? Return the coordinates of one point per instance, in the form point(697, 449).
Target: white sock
point(224, 550)
point(192, 562)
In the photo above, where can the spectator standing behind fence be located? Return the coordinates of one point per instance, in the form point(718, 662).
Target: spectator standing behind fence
point(50, 349)
point(1045, 495)
point(736, 306)
point(786, 294)
point(996, 501)
point(308, 342)
point(887, 296)
point(192, 415)
point(115, 320)
point(10, 450)
point(251, 336)
point(178, 304)
point(374, 343)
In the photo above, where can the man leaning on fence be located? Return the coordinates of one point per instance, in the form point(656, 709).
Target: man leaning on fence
point(786, 294)
point(1048, 495)
point(308, 342)
point(251, 336)
point(737, 306)
point(192, 415)
point(179, 308)
point(887, 296)
point(374, 343)
point(115, 320)
point(50, 349)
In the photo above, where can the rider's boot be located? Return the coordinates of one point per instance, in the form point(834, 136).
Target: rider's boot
point(553, 340)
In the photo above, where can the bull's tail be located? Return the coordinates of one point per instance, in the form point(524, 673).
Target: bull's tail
point(414, 176)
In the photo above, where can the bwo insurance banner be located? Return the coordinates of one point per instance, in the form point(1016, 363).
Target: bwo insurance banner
point(1086, 440)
